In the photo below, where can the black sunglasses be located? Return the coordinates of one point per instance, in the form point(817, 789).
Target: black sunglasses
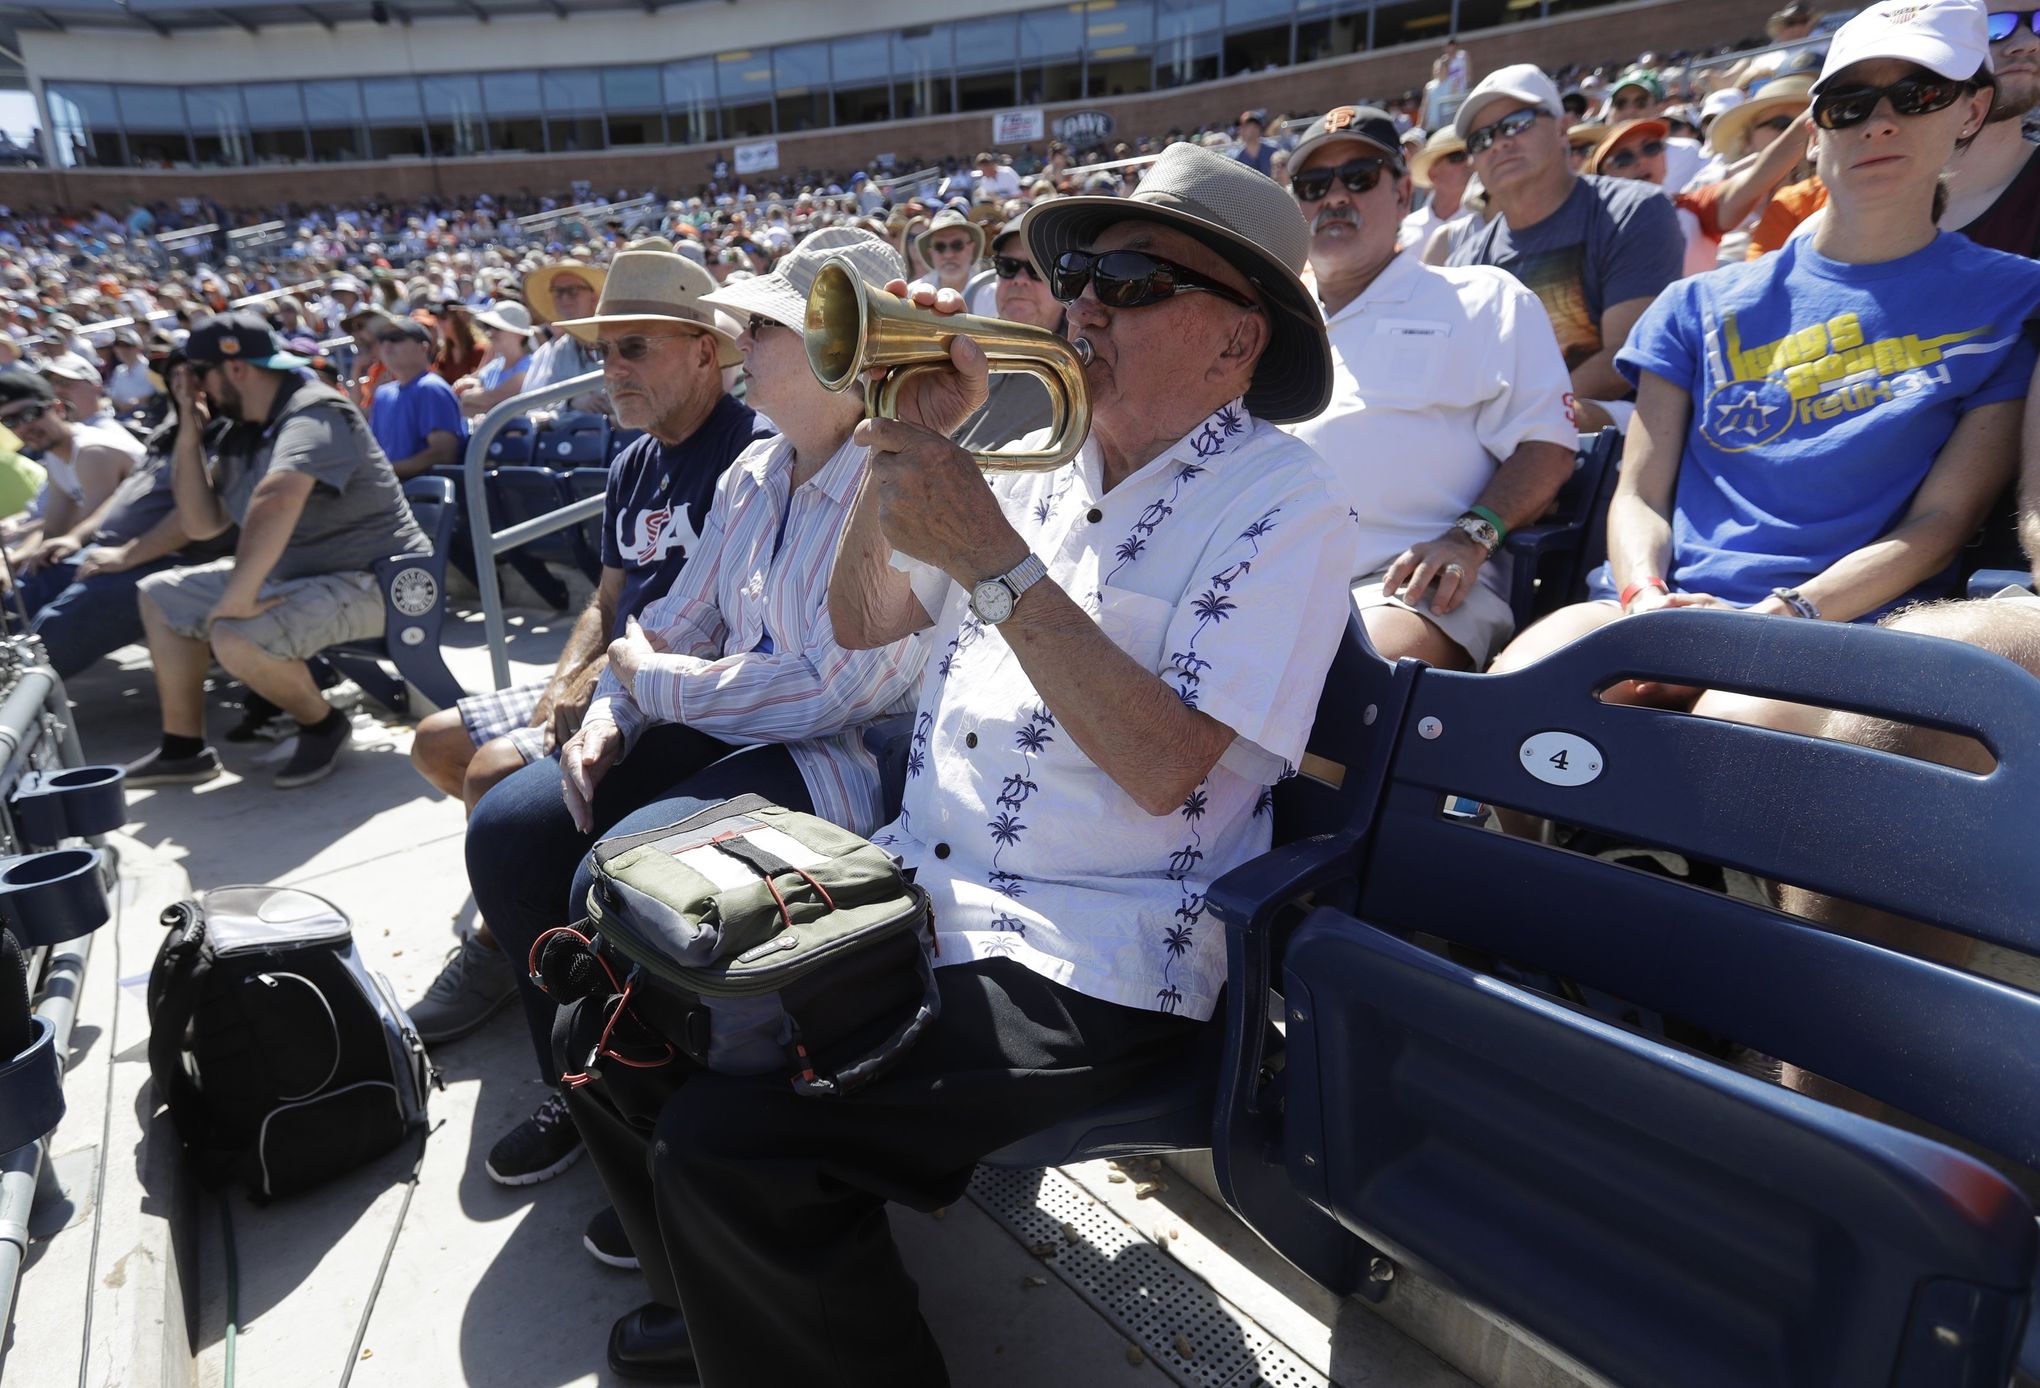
point(1781, 124)
point(1008, 267)
point(1455, 158)
point(1917, 95)
point(759, 323)
point(1649, 149)
point(1131, 279)
point(388, 338)
point(632, 348)
point(2002, 26)
point(1507, 128)
point(1359, 175)
point(27, 414)
point(947, 247)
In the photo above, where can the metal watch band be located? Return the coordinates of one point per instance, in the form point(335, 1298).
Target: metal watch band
point(1479, 530)
point(1024, 575)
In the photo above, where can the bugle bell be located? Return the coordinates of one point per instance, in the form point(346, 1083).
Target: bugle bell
point(853, 327)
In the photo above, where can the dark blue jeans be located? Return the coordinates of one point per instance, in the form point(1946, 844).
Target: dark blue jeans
point(526, 860)
point(80, 620)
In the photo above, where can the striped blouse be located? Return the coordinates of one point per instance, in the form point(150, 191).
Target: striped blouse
point(749, 653)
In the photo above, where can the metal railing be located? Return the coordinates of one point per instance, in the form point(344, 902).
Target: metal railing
point(489, 543)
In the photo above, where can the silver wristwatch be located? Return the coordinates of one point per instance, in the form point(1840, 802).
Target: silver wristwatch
point(993, 600)
point(1479, 530)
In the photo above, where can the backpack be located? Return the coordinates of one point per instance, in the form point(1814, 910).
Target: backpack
point(751, 939)
point(284, 1061)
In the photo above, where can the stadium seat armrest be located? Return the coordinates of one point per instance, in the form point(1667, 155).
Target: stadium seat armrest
point(1988, 583)
point(1533, 541)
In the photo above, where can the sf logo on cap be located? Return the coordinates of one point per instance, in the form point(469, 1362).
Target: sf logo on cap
point(1339, 119)
point(230, 346)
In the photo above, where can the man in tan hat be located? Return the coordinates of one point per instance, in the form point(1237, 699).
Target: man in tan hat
point(563, 290)
point(662, 354)
point(951, 248)
point(1124, 651)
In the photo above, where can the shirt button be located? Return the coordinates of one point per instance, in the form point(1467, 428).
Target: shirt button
point(942, 850)
point(1094, 515)
point(970, 739)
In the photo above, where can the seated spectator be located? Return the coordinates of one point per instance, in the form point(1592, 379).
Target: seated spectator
point(1580, 142)
point(84, 463)
point(564, 289)
point(1016, 404)
point(1448, 423)
point(1762, 151)
point(317, 504)
point(416, 418)
point(1636, 150)
point(951, 246)
point(502, 375)
point(366, 326)
point(461, 346)
point(1254, 151)
point(1130, 657)
point(1820, 431)
point(79, 385)
point(1441, 168)
point(1994, 184)
point(80, 596)
point(656, 508)
point(733, 684)
point(132, 385)
point(1595, 250)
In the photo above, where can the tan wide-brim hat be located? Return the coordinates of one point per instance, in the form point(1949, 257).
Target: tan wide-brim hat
point(651, 285)
point(538, 284)
point(1250, 220)
point(1442, 142)
point(1649, 127)
point(1585, 135)
point(782, 295)
point(950, 220)
point(1781, 96)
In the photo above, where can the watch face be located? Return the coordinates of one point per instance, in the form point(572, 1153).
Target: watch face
point(992, 601)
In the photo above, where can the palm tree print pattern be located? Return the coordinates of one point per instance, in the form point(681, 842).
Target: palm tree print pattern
point(1030, 739)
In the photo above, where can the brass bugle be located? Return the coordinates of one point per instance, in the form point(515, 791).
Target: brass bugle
point(853, 327)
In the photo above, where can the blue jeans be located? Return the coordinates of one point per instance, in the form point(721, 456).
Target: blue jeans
point(80, 620)
point(527, 862)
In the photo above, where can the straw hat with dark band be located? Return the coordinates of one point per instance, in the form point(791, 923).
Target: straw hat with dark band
point(1781, 96)
point(650, 285)
point(1254, 224)
point(538, 284)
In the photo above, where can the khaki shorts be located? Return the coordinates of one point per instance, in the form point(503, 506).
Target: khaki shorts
point(316, 612)
point(1481, 625)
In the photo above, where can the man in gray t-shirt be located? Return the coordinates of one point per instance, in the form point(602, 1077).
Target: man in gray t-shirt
point(317, 505)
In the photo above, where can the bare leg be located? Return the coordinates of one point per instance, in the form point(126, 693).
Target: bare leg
point(286, 683)
point(441, 750)
point(181, 665)
point(1395, 632)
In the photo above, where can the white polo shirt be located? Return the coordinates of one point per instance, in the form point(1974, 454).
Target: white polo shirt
point(1437, 374)
point(1220, 566)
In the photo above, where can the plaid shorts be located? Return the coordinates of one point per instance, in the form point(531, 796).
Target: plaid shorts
point(506, 713)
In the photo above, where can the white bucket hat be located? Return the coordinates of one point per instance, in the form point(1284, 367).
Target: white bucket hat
point(506, 316)
point(782, 295)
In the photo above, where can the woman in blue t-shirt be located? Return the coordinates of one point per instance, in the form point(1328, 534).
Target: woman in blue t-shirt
point(1819, 432)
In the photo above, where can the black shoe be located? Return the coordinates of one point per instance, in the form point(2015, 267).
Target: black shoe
point(605, 1240)
point(538, 1149)
point(651, 1342)
point(315, 755)
point(159, 770)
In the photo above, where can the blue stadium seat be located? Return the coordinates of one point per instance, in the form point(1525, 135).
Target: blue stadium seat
point(414, 605)
point(621, 438)
point(518, 494)
point(1986, 583)
point(513, 443)
point(1661, 1218)
point(1553, 557)
point(582, 483)
point(575, 438)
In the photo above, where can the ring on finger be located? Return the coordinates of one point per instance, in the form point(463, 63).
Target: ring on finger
point(1455, 571)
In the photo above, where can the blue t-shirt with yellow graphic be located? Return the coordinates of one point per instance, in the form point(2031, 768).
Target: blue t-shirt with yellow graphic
point(1822, 393)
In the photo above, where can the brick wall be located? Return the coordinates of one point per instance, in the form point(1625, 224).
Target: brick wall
point(1607, 34)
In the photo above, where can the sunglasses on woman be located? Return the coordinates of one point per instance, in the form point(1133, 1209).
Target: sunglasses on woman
point(1009, 266)
point(1781, 124)
point(633, 348)
point(2003, 26)
point(1507, 128)
point(1917, 95)
point(1131, 279)
point(948, 247)
point(1622, 159)
point(1359, 175)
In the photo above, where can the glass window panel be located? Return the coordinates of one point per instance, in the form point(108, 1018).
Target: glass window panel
point(219, 124)
point(1493, 14)
point(985, 64)
point(1257, 35)
point(396, 119)
point(276, 122)
point(573, 110)
point(84, 124)
point(1330, 29)
point(453, 115)
point(800, 75)
point(861, 67)
point(1186, 41)
point(743, 82)
point(514, 112)
point(333, 112)
point(1421, 21)
point(1119, 40)
point(154, 117)
point(632, 96)
point(922, 64)
point(1051, 49)
point(690, 101)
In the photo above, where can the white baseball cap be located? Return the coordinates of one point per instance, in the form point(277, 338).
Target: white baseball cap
point(1949, 38)
point(1519, 81)
point(1721, 103)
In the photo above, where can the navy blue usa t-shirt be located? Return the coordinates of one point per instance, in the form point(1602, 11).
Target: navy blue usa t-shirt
point(658, 499)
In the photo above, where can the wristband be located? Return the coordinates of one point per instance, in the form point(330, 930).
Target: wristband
point(1501, 530)
point(1801, 605)
point(1629, 593)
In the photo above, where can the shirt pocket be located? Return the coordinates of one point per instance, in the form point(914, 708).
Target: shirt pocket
point(1135, 622)
point(1405, 364)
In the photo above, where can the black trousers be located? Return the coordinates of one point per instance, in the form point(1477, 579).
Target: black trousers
point(761, 1213)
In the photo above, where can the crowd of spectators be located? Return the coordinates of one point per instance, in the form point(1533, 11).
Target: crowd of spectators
point(1802, 283)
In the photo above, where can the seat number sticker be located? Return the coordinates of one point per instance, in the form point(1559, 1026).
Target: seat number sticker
point(1561, 759)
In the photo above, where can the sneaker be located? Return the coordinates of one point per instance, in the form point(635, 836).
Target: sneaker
point(604, 1238)
point(538, 1149)
point(315, 755)
point(473, 987)
point(159, 770)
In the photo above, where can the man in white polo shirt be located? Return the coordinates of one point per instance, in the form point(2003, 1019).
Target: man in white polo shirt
point(1450, 422)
